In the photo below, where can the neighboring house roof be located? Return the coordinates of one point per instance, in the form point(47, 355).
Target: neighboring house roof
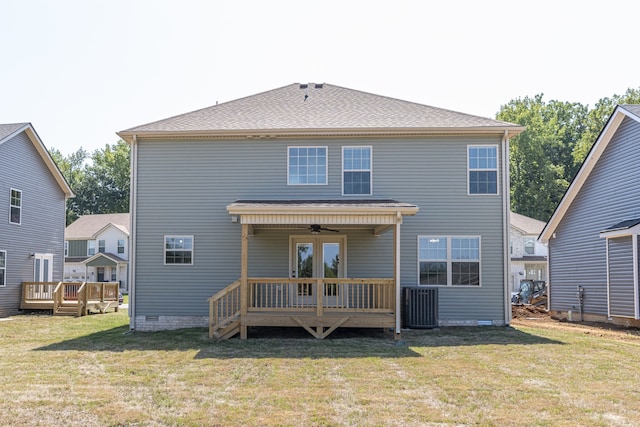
point(607, 133)
point(623, 225)
point(526, 225)
point(112, 259)
point(8, 131)
point(319, 109)
point(89, 226)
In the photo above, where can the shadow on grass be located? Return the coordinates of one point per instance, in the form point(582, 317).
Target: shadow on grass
point(295, 342)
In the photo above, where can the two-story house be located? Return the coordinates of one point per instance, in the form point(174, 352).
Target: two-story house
point(96, 249)
point(313, 205)
point(528, 256)
point(594, 261)
point(33, 196)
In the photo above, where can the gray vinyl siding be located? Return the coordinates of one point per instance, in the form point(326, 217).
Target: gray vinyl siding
point(577, 255)
point(185, 186)
point(78, 248)
point(621, 278)
point(43, 217)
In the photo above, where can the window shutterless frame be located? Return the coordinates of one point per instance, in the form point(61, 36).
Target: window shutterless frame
point(460, 255)
point(307, 165)
point(178, 250)
point(357, 170)
point(15, 206)
point(3, 268)
point(482, 170)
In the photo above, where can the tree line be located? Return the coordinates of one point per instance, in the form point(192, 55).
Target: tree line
point(100, 181)
point(544, 159)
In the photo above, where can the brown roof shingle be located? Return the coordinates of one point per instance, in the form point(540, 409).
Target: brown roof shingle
point(87, 226)
point(318, 107)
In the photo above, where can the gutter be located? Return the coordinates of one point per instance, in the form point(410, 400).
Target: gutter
point(266, 134)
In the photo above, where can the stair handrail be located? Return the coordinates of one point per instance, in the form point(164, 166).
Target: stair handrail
point(82, 300)
point(58, 294)
point(217, 307)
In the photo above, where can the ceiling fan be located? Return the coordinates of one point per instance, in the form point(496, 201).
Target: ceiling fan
point(316, 229)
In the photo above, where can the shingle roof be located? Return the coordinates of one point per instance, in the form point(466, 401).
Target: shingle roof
point(318, 107)
point(526, 224)
point(623, 225)
point(87, 226)
point(8, 129)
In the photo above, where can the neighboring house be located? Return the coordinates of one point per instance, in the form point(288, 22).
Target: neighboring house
point(311, 206)
point(528, 256)
point(96, 249)
point(593, 233)
point(33, 196)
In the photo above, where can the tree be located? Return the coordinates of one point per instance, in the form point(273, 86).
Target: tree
point(596, 120)
point(101, 185)
point(73, 170)
point(538, 155)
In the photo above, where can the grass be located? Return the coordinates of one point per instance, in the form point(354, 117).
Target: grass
point(89, 371)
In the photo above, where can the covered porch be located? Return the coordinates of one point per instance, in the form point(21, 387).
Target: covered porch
point(318, 296)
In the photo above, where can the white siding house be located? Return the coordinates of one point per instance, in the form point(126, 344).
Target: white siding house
point(528, 255)
point(97, 249)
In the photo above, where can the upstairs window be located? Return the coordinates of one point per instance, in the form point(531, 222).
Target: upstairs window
point(91, 247)
point(307, 166)
point(483, 169)
point(178, 250)
point(120, 246)
point(15, 207)
point(356, 170)
point(101, 246)
point(529, 246)
point(3, 268)
point(449, 261)
point(66, 248)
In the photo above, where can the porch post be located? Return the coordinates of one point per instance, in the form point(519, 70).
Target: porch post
point(244, 266)
point(396, 257)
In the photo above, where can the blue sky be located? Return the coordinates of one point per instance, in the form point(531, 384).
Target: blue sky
point(81, 70)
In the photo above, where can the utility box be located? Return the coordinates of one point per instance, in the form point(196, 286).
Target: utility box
point(419, 307)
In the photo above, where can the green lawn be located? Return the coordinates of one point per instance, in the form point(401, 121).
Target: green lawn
point(89, 371)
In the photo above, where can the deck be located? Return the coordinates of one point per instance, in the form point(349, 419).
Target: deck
point(318, 305)
point(70, 299)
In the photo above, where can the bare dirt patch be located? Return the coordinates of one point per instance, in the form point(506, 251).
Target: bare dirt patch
point(535, 316)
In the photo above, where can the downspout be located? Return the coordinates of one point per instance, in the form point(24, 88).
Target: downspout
point(506, 204)
point(396, 236)
point(634, 240)
point(133, 199)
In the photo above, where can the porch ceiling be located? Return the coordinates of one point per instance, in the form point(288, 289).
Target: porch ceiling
point(377, 215)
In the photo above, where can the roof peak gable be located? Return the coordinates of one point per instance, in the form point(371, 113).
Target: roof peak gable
point(317, 107)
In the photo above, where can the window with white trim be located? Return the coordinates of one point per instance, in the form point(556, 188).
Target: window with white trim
point(66, 248)
point(529, 246)
point(178, 250)
point(356, 170)
point(307, 165)
point(15, 207)
point(482, 169)
point(120, 246)
point(91, 247)
point(3, 268)
point(101, 246)
point(449, 260)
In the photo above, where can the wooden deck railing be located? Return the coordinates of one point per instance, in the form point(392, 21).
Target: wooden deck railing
point(315, 296)
point(56, 295)
point(224, 308)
